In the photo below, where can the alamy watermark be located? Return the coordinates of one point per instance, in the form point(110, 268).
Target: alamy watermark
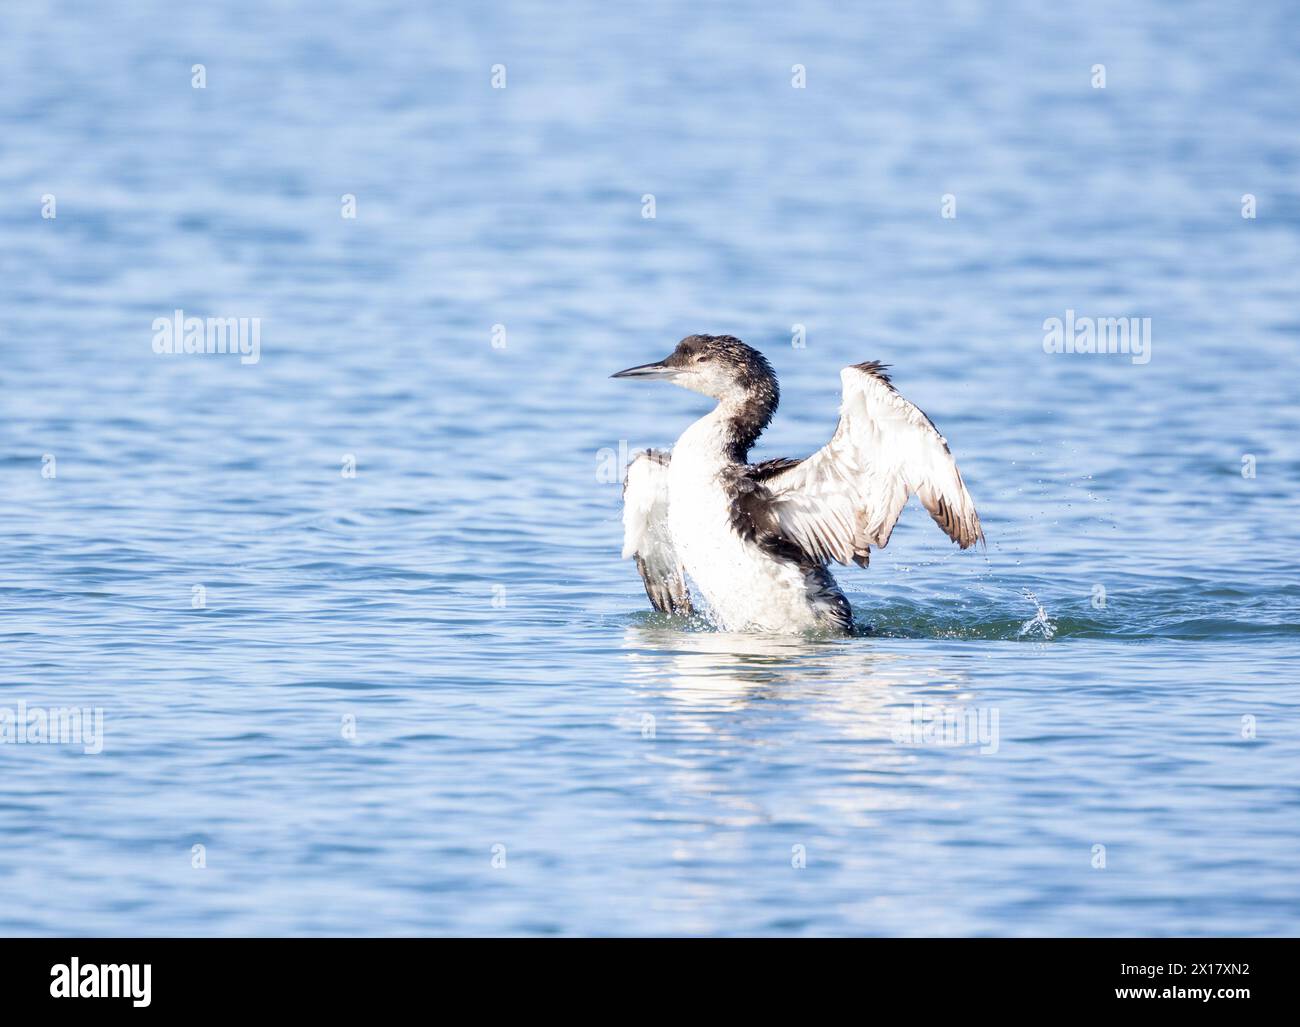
point(59, 725)
point(1130, 335)
point(181, 334)
point(74, 979)
point(947, 725)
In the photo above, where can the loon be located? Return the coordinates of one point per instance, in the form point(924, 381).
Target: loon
point(756, 539)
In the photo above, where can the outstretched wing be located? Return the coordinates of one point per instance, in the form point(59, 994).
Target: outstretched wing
point(645, 532)
point(848, 495)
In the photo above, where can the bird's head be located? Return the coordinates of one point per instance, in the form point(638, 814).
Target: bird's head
point(720, 366)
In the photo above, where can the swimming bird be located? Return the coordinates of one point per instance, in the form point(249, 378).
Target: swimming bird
point(757, 539)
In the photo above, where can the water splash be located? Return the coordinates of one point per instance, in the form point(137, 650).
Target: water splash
point(1040, 625)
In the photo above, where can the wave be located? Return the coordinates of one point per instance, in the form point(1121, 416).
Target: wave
point(1009, 615)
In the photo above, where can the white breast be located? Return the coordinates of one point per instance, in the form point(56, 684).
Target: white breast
point(746, 589)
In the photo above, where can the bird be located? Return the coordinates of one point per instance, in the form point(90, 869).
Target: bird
point(757, 539)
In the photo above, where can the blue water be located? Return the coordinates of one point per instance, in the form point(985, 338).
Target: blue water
point(430, 698)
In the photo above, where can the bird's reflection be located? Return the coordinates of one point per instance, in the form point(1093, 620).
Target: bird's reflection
point(844, 680)
point(760, 727)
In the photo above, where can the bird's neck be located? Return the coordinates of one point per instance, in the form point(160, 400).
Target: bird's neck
point(728, 432)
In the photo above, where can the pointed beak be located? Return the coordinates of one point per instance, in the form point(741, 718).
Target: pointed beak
point(647, 372)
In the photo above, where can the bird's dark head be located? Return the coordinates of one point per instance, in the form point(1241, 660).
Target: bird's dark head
point(720, 366)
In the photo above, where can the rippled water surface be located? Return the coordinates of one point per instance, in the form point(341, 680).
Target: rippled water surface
point(429, 698)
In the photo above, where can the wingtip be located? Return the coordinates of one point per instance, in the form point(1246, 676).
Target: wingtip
point(875, 369)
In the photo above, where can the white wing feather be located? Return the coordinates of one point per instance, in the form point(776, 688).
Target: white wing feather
point(646, 537)
point(848, 495)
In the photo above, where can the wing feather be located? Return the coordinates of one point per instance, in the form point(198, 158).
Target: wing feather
point(646, 537)
point(848, 495)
